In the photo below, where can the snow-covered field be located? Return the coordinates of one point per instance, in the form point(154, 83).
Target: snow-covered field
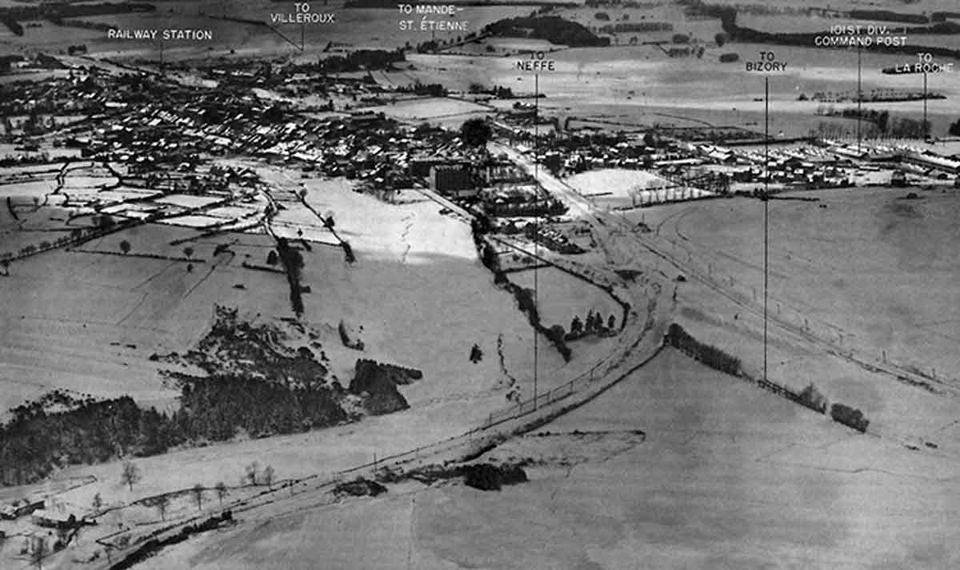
point(420, 293)
point(24, 192)
point(726, 476)
point(429, 108)
point(88, 320)
point(187, 201)
point(865, 268)
point(562, 297)
point(193, 220)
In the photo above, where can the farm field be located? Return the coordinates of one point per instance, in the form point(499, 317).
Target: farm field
point(726, 474)
point(355, 27)
point(865, 265)
point(630, 80)
point(562, 297)
point(149, 301)
point(421, 295)
point(430, 108)
point(416, 296)
point(191, 226)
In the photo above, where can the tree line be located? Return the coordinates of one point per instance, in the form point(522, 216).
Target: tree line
point(810, 397)
point(554, 29)
point(360, 60)
point(293, 264)
point(728, 19)
point(34, 443)
point(710, 355)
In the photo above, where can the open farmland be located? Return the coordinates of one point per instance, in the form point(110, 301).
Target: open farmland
point(430, 108)
point(636, 80)
point(864, 266)
point(725, 474)
point(165, 304)
point(561, 297)
point(272, 304)
point(371, 28)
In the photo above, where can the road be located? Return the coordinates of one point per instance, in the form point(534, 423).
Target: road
point(624, 240)
point(638, 342)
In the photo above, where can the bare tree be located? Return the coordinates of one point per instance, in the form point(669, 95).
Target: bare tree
point(268, 475)
point(63, 538)
point(130, 474)
point(252, 472)
point(38, 550)
point(198, 495)
point(162, 502)
point(125, 247)
point(222, 492)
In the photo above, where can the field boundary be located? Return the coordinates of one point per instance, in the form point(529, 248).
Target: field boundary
point(498, 427)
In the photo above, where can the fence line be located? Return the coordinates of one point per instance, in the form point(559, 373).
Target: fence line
point(690, 260)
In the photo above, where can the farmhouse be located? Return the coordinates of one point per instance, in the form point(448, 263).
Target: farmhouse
point(54, 519)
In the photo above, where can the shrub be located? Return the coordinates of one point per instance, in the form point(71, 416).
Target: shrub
point(848, 416)
point(488, 477)
point(813, 399)
point(360, 487)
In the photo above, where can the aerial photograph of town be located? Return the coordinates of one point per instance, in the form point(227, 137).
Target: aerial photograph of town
point(485, 284)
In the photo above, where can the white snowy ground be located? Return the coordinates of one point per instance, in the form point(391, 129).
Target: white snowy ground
point(417, 296)
point(727, 476)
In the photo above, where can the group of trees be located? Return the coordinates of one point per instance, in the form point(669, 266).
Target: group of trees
point(635, 27)
point(813, 399)
point(360, 60)
point(882, 124)
point(125, 248)
point(842, 413)
point(554, 29)
point(102, 225)
point(378, 382)
point(898, 128)
point(254, 476)
point(954, 129)
point(705, 353)
point(526, 301)
point(476, 355)
point(12, 24)
point(475, 132)
point(33, 443)
point(427, 89)
point(498, 91)
point(218, 408)
point(527, 304)
point(594, 325)
point(849, 416)
point(728, 19)
point(879, 118)
point(293, 264)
